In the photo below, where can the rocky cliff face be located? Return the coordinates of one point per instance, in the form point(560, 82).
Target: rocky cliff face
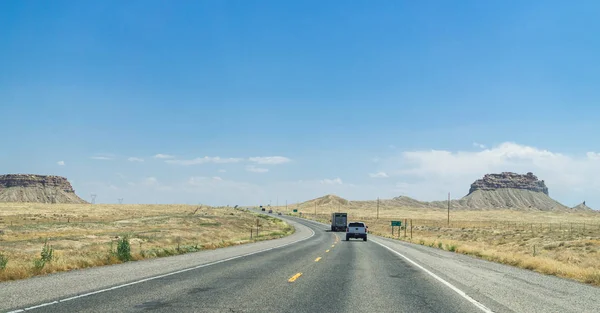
point(509, 180)
point(37, 188)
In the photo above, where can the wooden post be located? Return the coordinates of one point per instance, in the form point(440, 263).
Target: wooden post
point(256, 227)
point(377, 207)
point(405, 222)
point(411, 228)
point(448, 209)
point(392, 231)
point(250, 232)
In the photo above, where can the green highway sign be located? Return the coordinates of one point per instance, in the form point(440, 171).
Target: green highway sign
point(396, 223)
point(295, 210)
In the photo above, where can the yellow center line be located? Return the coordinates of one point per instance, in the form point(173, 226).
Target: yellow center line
point(332, 246)
point(327, 250)
point(317, 259)
point(293, 278)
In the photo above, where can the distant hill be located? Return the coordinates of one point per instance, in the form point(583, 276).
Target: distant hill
point(505, 198)
point(582, 206)
point(328, 200)
point(506, 190)
point(37, 188)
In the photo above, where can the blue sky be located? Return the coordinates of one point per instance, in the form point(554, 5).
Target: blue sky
point(341, 91)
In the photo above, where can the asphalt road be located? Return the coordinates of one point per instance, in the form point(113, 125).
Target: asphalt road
point(315, 271)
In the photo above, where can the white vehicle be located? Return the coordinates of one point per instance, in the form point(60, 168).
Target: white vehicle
point(357, 230)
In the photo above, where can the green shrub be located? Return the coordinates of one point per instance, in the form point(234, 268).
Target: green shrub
point(3, 261)
point(47, 255)
point(47, 252)
point(440, 245)
point(124, 249)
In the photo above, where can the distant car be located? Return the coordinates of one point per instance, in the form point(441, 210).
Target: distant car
point(270, 211)
point(262, 209)
point(356, 230)
point(278, 213)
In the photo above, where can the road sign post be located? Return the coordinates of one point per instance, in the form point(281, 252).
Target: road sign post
point(396, 223)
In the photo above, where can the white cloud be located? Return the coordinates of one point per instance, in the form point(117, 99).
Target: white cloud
point(335, 181)
point(204, 160)
point(150, 181)
point(163, 156)
point(100, 157)
point(217, 178)
point(379, 175)
point(61, 163)
point(155, 184)
point(478, 145)
point(222, 171)
point(269, 160)
point(430, 174)
point(254, 169)
point(134, 159)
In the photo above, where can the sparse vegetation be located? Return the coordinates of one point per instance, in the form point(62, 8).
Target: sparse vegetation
point(85, 235)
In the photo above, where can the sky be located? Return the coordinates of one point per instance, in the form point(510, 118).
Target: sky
point(258, 102)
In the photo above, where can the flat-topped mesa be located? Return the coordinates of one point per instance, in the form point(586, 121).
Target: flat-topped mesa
point(28, 180)
point(509, 180)
point(37, 188)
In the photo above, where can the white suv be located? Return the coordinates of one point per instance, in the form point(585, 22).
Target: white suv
point(357, 230)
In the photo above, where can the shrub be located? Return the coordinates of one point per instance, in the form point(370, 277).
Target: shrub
point(47, 255)
point(124, 249)
point(440, 245)
point(47, 252)
point(451, 248)
point(3, 261)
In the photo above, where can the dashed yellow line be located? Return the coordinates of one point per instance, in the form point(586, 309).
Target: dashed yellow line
point(317, 259)
point(332, 246)
point(293, 278)
point(327, 250)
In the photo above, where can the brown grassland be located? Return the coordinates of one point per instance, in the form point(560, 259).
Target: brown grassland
point(85, 235)
point(565, 244)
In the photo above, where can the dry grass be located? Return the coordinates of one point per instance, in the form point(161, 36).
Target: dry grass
point(566, 244)
point(84, 235)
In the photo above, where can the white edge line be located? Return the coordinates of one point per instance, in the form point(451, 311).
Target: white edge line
point(160, 276)
point(449, 285)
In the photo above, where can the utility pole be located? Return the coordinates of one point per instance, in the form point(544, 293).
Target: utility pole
point(277, 203)
point(315, 208)
point(120, 200)
point(93, 198)
point(448, 209)
point(377, 207)
point(286, 205)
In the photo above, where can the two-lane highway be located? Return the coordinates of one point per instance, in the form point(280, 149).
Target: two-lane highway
point(320, 273)
point(323, 274)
